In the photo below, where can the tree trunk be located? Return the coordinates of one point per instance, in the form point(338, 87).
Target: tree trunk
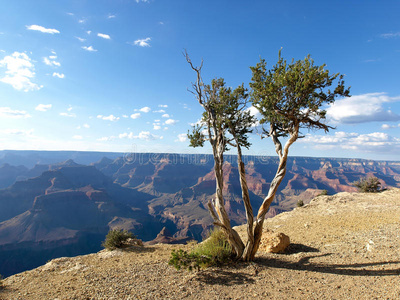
point(249, 210)
point(280, 174)
point(217, 209)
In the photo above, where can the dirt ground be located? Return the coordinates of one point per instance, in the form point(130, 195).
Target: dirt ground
point(344, 246)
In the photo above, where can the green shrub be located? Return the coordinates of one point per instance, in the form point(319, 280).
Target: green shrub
point(323, 193)
point(368, 185)
point(116, 238)
point(1, 281)
point(215, 250)
point(300, 203)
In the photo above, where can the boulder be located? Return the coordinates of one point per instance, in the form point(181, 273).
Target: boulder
point(273, 242)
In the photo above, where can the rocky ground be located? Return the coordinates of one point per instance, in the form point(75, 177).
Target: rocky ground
point(344, 246)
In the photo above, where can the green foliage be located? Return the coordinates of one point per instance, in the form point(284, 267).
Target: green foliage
point(292, 94)
point(300, 203)
point(323, 193)
point(225, 117)
point(115, 238)
point(215, 250)
point(1, 281)
point(368, 185)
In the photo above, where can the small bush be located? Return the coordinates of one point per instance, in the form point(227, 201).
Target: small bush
point(323, 193)
point(368, 185)
point(215, 250)
point(116, 238)
point(300, 203)
point(1, 281)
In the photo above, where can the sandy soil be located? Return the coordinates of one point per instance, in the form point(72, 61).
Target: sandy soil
point(344, 246)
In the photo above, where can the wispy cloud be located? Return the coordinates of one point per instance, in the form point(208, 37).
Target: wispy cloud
point(363, 108)
point(77, 137)
point(20, 132)
point(70, 115)
point(43, 107)
point(59, 75)
point(90, 48)
point(142, 42)
point(111, 118)
point(104, 36)
point(390, 35)
point(7, 112)
point(137, 1)
point(161, 111)
point(42, 29)
point(51, 62)
point(80, 39)
point(143, 135)
point(110, 16)
point(163, 105)
point(165, 116)
point(378, 142)
point(20, 71)
point(387, 126)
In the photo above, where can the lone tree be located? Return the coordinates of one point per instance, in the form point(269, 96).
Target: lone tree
point(225, 122)
point(290, 97)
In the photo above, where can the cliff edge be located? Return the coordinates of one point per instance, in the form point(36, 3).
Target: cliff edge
point(344, 246)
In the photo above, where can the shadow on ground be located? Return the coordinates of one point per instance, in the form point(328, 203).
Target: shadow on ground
point(355, 269)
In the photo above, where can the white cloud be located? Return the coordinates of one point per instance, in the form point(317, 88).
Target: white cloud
point(137, 1)
point(161, 111)
point(70, 115)
point(111, 118)
point(59, 75)
point(387, 126)
point(185, 106)
point(89, 32)
point(378, 142)
point(362, 108)
point(145, 109)
point(142, 42)
point(20, 71)
point(17, 132)
point(143, 135)
point(390, 35)
point(70, 108)
point(182, 137)
point(171, 122)
point(77, 137)
point(156, 127)
point(7, 112)
point(106, 138)
point(51, 62)
point(111, 16)
point(104, 36)
point(165, 116)
point(43, 107)
point(163, 105)
point(135, 115)
point(90, 48)
point(42, 29)
point(147, 136)
point(80, 39)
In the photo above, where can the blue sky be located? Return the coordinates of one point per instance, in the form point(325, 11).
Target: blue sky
point(109, 75)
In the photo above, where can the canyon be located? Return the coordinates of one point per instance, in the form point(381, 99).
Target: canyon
point(55, 204)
